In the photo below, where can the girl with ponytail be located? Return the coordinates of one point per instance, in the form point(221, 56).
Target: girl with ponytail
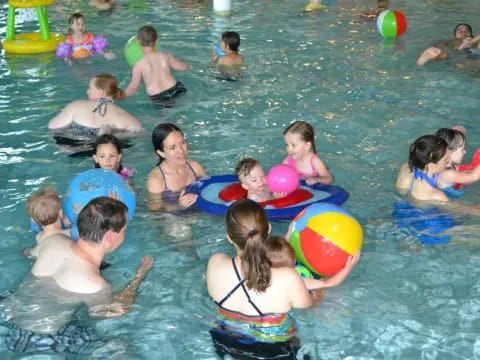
point(98, 114)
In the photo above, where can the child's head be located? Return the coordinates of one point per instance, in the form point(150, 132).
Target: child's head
point(147, 36)
point(456, 142)
point(104, 85)
point(76, 23)
point(231, 40)
point(299, 138)
point(44, 206)
point(280, 252)
point(462, 31)
point(107, 153)
point(251, 175)
point(248, 228)
point(428, 149)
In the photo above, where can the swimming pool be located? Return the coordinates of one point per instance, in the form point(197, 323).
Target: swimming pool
point(367, 100)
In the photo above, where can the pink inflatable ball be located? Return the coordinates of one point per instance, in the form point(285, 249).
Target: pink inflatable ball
point(64, 50)
point(283, 179)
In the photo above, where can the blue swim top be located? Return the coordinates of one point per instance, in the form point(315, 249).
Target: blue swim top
point(418, 174)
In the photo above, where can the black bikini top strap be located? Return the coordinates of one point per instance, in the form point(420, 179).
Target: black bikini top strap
point(193, 171)
point(163, 176)
point(242, 284)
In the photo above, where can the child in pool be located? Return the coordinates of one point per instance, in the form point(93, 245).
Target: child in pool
point(447, 179)
point(107, 154)
point(155, 68)
point(314, 5)
point(302, 153)
point(45, 209)
point(252, 178)
point(229, 55)
point(102, 4)
point(281, 254)
point(80, 43)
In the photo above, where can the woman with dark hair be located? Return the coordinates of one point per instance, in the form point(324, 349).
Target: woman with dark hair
point(167, 182)
point(99, 114)
point(462, 40)
point(254, 298)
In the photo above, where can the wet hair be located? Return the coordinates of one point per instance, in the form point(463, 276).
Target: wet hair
point(74, 17)
point(245, 167)
point(280, 252)
point(305, 130)
point(247, 227)
point(232, 39)
point(109, 84)
point(159, 135)
point(147, 35)
point(44, 206)
point(108, 139)
point(99, 216)
point(425, 150)
point(468, 27)
point(455, 139)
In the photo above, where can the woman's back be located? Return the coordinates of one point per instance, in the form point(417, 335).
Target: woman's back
point(286, 289)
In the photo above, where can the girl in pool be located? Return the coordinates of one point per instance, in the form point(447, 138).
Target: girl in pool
point(168, 181)
point(302, 153)
point(107, 154)
point(447, 179)
point(88, 118)
point(254, 298)
point(462, 40)
point(81, 44)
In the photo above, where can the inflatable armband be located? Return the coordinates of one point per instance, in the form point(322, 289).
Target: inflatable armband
point(100, 43)
point(64, 50)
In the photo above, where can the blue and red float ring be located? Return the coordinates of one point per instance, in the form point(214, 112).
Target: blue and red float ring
point(209, 188)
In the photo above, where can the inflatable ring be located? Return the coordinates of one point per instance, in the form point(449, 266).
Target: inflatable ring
point(30, 3)
point(208, 190)
point(32, 43)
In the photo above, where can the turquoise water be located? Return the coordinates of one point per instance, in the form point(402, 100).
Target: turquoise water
point(367, 100)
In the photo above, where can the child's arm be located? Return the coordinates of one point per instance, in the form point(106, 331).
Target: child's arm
point(135, 82)
point(336, 279)
point(448, 177)
point(177, 64)
point(64, 118)
point(324, 175)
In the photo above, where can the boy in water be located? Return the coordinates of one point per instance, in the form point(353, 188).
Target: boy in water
point(252, 177)
point(155, 69)
point(45, 208)
point(228, 56)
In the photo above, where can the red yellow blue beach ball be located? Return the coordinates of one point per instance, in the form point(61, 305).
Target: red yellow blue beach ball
point(324, 236)
point(391, 23)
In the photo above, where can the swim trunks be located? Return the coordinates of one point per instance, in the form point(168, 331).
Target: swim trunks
point(291, 162)
point(166, 95)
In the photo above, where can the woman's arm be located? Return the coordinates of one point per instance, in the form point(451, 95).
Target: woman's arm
point(64, 118)
point(447, 177)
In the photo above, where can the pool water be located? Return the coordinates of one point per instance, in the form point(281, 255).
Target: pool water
point(367, 101)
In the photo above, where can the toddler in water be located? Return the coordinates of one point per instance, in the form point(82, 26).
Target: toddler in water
point(227, 54)
point(252, 177)
point(45, 209)
point(107, 154)
point(80, 43)
point(302, 153)
point(281, 254)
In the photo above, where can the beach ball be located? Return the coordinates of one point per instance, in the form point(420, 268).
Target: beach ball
point(283, 179)
point(92, 184)
point(391, 23)
point(324, 236)
point(133, 52)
